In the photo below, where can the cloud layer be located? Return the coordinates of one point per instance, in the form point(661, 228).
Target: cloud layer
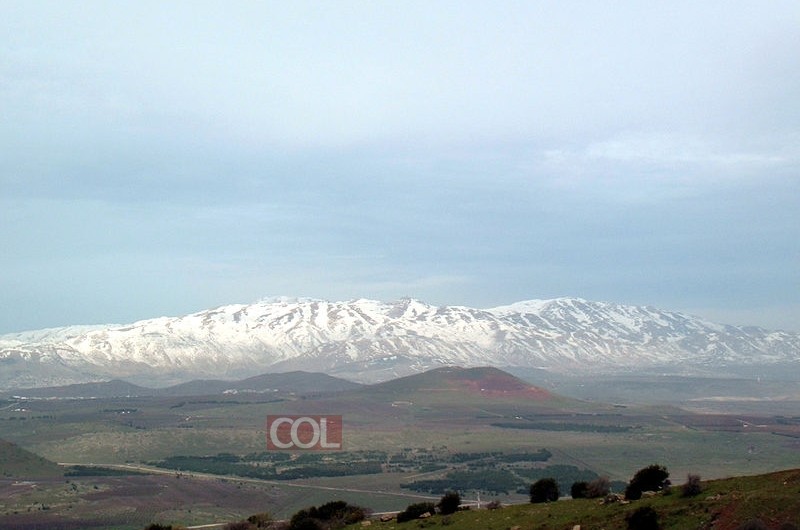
point(159, 159)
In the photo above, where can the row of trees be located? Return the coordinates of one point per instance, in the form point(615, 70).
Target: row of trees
point(447, 505)
point(651, 478)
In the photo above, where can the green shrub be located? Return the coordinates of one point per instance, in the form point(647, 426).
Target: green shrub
point(334, 514)
point(449, 503)
point(544, 490)
point(650, 478)
point(413, 511)
point(579, 490)
point(644, 518)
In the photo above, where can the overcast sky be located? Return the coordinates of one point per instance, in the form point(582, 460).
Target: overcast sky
point(159, 158)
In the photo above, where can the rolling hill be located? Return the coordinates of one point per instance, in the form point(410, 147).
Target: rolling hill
point(486, 382)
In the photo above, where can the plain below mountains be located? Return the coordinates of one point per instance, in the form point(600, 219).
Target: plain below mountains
point(369, 341)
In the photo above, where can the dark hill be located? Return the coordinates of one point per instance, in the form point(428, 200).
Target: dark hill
point(297, 382)
point(486, 382)
point(301, 383)
point(16, 462)
point(105, 389)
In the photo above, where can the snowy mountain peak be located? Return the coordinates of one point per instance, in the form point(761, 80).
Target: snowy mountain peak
point(529, 306)
point(369, 340)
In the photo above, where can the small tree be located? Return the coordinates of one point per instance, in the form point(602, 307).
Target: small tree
point(644, 518)
point(302, 520)
point(579, 490)
point(650, 478)
point(692, 486)
point(544, 490)
point(449, 503)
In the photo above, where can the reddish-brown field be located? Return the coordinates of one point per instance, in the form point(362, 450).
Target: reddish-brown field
point(127, 502)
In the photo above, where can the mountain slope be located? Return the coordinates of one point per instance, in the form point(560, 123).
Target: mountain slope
point(369, 340)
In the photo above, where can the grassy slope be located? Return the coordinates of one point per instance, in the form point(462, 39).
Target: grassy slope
point(16, 462)
point(723, 505)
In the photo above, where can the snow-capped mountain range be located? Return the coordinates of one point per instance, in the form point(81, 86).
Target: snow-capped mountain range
point(368, 341)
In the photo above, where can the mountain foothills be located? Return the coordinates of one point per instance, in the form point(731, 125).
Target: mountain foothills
point(285, 383)
point(369, 341)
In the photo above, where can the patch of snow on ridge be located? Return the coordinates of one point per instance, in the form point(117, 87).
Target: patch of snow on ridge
point(528, 306)
point(50, 334)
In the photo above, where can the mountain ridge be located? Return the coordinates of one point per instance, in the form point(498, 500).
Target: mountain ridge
point(300, 383)
point(368, 341)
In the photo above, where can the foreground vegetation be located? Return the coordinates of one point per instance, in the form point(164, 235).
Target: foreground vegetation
point(727, 504)
point(764, 502)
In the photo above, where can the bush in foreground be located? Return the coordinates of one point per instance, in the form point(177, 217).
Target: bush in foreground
point(692, 486)
point(644, 518)
point(650, 478)
point(334, 514)
point(579, 490)
point(413, 511)
point(544, 490)
point(599, 487)
point(449, 503)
